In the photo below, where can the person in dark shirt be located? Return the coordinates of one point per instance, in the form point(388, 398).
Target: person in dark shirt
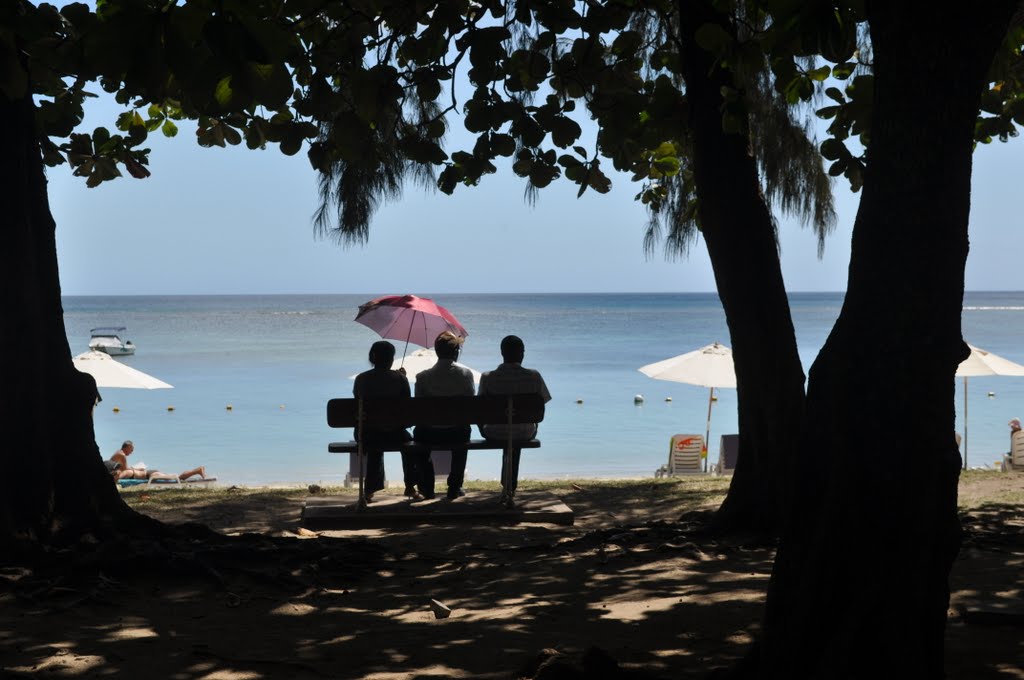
point(381, 381)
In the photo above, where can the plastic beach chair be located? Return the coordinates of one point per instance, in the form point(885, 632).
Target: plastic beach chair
point(684, 456)
point(1015, 459)
point(728, 452)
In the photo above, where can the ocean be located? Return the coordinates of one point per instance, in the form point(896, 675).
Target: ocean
point(277, 359)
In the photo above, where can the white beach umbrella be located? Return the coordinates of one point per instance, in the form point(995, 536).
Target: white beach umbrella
point(421, 360)
point(709, 366)
point(109, 372)
point(981, 362)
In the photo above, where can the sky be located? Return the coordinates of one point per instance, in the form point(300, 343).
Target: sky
point(235, 221)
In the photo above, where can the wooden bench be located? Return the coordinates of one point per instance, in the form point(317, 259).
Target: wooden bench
point(407, 412)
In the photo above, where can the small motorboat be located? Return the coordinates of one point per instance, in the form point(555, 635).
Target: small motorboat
point(108, 339)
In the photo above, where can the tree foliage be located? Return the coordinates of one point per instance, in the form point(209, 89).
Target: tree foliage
point(368, 81)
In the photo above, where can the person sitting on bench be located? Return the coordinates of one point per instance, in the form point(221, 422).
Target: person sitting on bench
point(511, 378)
point(444, 379)
point(381, 381)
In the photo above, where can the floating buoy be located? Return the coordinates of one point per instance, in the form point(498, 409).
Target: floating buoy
point(170, 408)
point(638, 399)
point(117, 410)
point(228, 407)
point(668, 398)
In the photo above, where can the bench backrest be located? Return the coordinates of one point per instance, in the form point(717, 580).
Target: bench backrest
point(438, 411)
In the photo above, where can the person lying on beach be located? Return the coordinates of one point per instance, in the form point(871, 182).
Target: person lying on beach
point(119, 469)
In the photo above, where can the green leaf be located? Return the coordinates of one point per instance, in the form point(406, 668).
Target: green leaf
point(233, 136)
point(713, 38)
point(223, 92)
point(564, 131)
point(503, 145)
point(665, 149)
point(436, 129)
point(844, 70)
point(827, 112)
point(835, 95)
point(819, 74)
point(832, 149)
point(449, 178)
point(668, 166)
point(125, 120)
point(169, 129)
point(627, 43)
point(428, 88)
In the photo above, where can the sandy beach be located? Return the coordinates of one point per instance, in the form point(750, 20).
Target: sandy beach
point(634, 576)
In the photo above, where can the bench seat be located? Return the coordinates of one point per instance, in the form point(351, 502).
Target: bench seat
point(471, 445)
point(405, 412)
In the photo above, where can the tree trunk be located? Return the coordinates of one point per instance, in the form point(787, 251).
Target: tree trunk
point(54, 486)
point(740, 236)
point(860, 585)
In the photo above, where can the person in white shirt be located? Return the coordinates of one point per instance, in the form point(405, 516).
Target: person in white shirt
point(444, 379)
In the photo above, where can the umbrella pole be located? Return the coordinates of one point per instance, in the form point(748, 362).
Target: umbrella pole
point(407, 336)
point(707, 432)
point(361, 504)
point(965, 422)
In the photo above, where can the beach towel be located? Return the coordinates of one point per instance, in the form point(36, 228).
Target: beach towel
point(163, 481)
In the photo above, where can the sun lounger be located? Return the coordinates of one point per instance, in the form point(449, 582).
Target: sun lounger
point(728, 452)
point(1015, 459)
point(685, 456)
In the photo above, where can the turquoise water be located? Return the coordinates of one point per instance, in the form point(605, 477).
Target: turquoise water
point(278, 359)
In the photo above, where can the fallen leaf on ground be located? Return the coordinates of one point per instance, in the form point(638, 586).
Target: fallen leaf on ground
point(440, 610)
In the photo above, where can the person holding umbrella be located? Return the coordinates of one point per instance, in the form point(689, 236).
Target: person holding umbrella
point(381, 381)
point(444, 379)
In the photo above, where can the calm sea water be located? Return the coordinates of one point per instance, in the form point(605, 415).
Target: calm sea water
point(278, 359)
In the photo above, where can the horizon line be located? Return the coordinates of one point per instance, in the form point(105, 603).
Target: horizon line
point(378, 294)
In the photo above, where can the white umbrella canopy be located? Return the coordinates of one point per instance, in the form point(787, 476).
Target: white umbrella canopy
point(109, 372)
point(710, 366)
point(982, 362)
point(420, 360)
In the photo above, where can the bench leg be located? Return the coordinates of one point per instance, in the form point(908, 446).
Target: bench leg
point(361, 505)
point(509, 475)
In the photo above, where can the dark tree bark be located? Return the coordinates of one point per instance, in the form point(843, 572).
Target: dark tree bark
point(737, 227)
point(860, 585)
point(54, 486)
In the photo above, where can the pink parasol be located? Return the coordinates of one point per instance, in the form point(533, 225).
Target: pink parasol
point(409, 318)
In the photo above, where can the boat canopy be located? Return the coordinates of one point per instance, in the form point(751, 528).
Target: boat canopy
point(107, 330)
